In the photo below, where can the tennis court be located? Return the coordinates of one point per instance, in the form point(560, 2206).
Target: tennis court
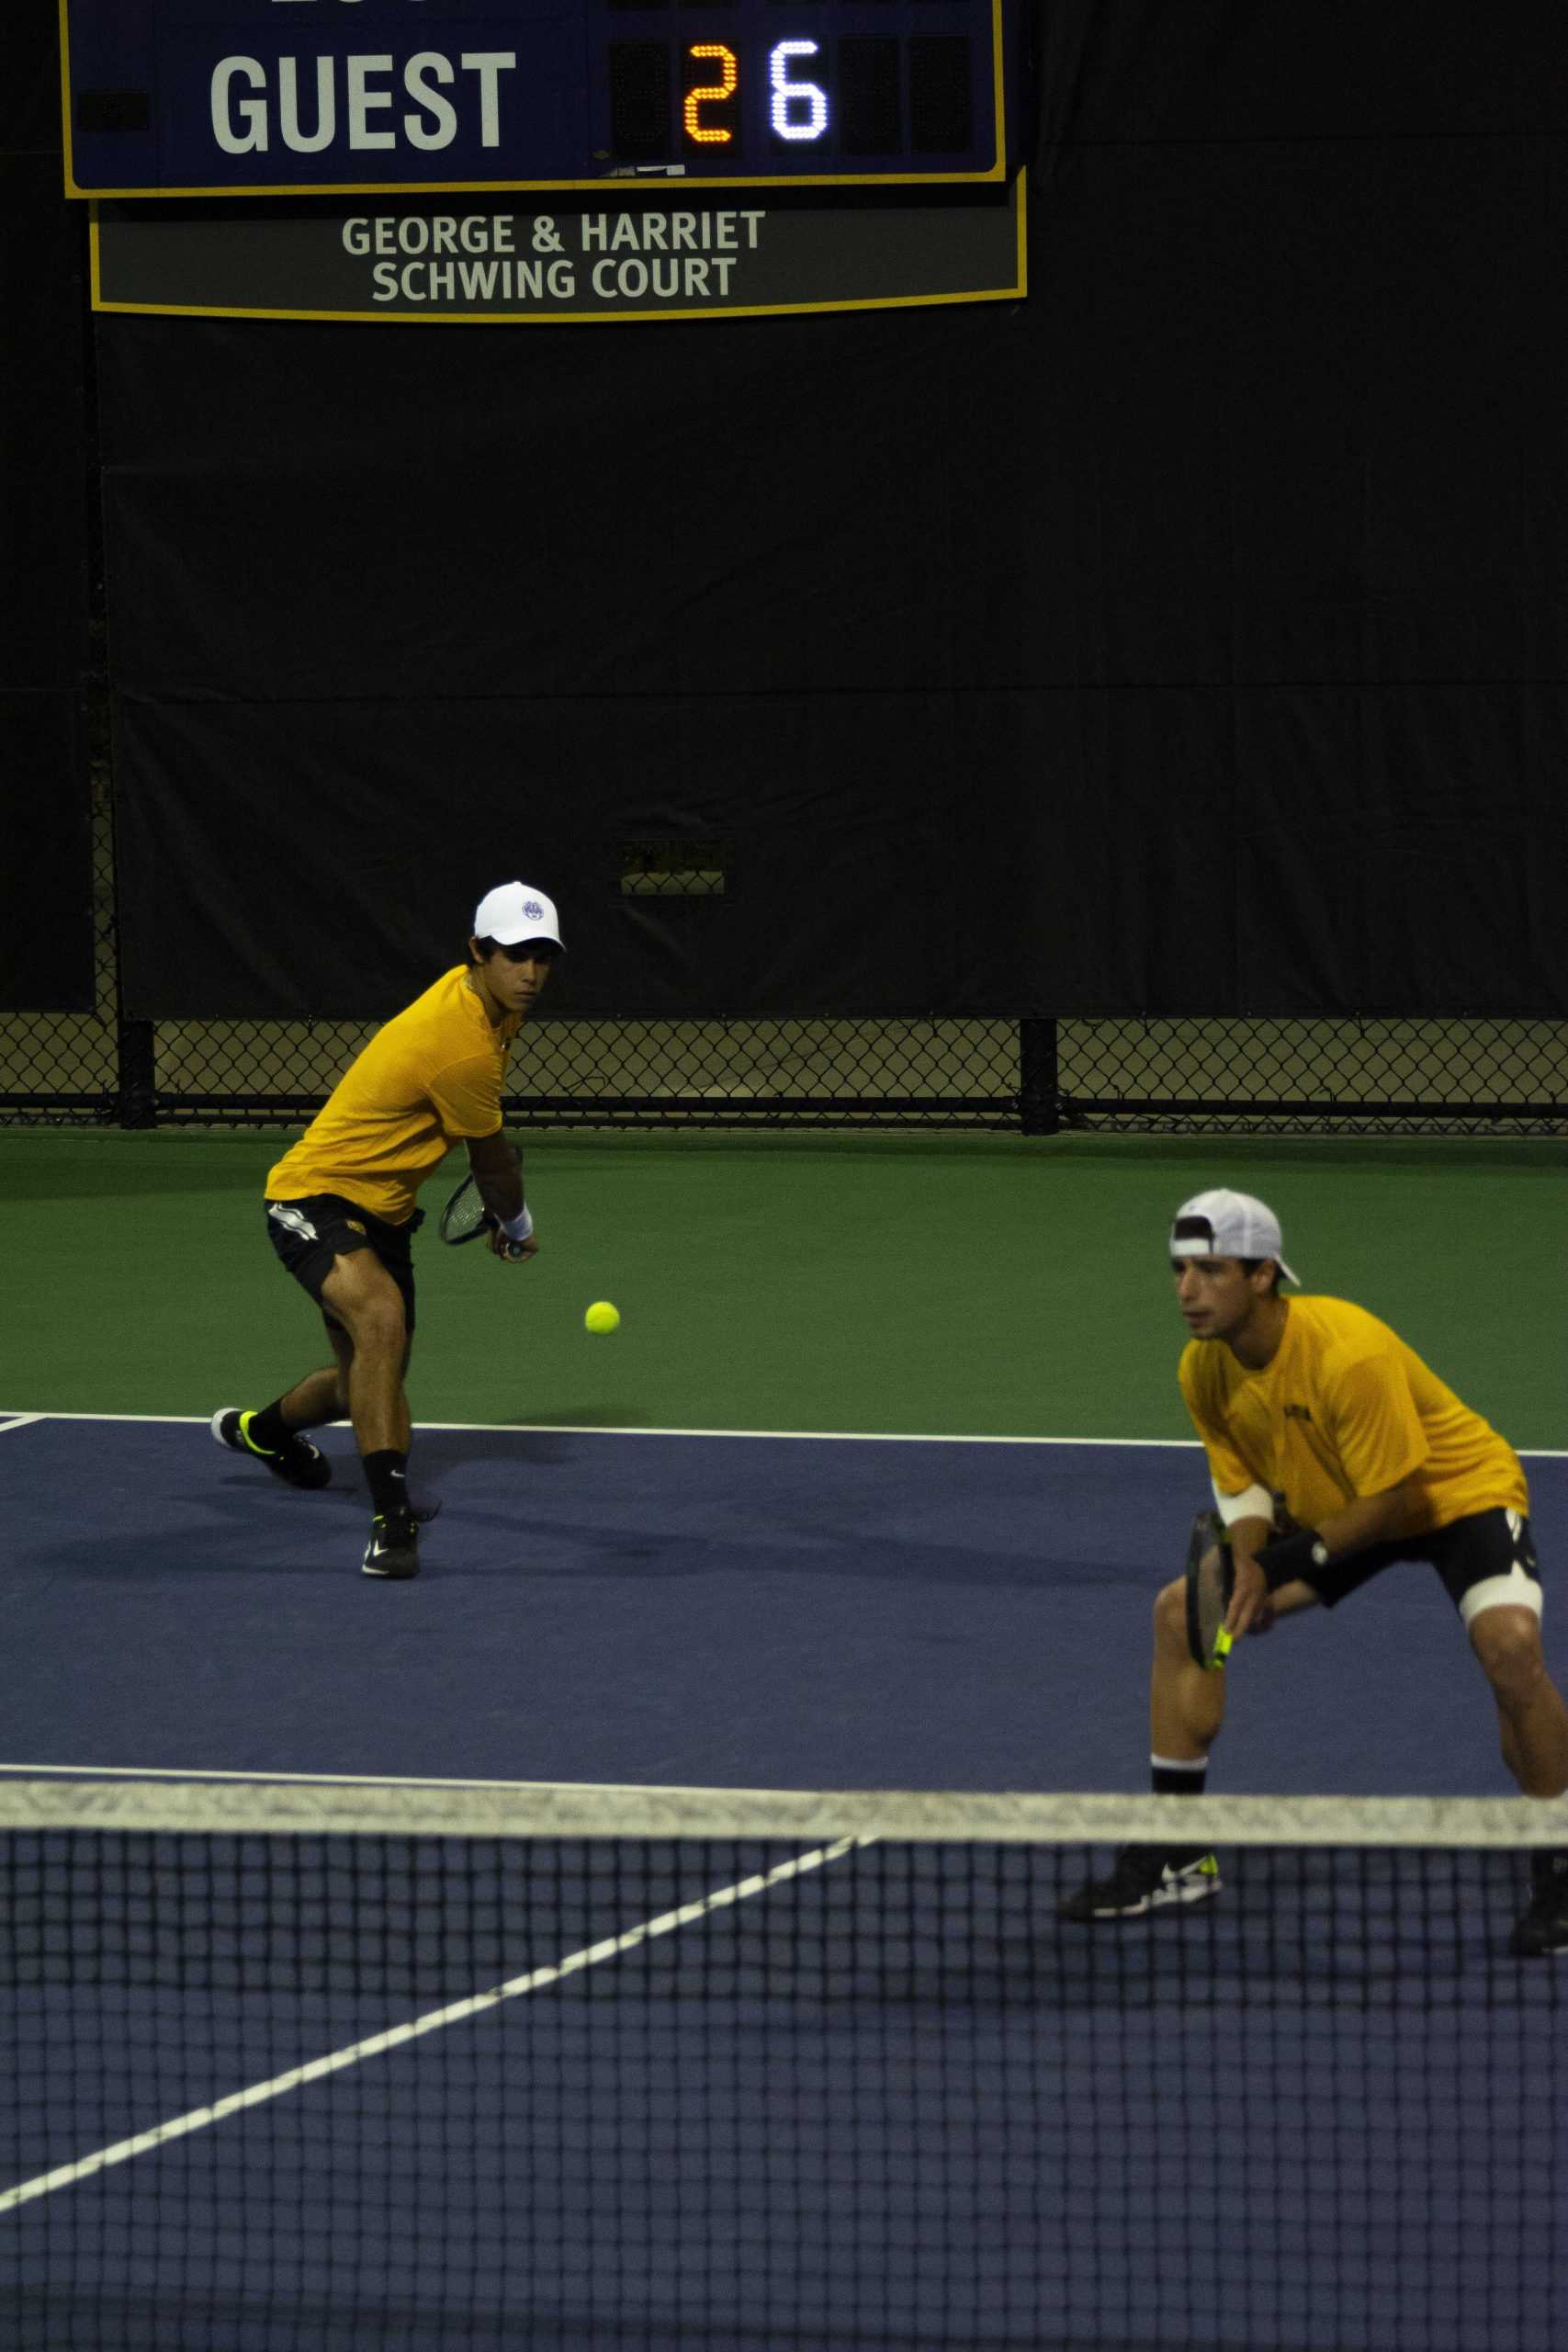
point(974, 586)
point(679, 2028)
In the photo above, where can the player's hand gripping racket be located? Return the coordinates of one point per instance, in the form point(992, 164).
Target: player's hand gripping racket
point(1210, 1580)
point(465, 1218)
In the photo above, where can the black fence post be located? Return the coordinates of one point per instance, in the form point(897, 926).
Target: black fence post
point(136, 1099)
point(1039, 1103)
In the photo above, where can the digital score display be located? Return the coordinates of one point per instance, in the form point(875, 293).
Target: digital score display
point(282, 97)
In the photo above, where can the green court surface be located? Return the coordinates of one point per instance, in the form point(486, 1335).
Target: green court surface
point(912, 1284)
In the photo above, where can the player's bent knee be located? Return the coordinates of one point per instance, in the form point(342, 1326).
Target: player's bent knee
point(377, 1324)
point(1507, 1640)
point(382, 1330)
point(364, 1300)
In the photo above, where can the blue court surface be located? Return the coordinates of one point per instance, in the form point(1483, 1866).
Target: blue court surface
point(885, 2100)
point(743, 1612)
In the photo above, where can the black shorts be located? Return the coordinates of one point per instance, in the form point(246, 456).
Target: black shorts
point(308, 1234)
point(1486, 1559)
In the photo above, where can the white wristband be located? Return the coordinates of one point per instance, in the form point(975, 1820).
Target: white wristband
point(518, 1227)
point(1255, 1502)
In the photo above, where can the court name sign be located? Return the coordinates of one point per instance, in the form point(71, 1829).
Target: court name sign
point(680, 256)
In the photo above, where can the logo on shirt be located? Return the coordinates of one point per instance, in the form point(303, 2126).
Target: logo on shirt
point(354, 1226)
point(1298, 1413)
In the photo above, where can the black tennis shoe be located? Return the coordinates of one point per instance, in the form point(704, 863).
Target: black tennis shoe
point(1143, 1879)
point(393, 1548)
point(1542, 1929)
point(297, 1462)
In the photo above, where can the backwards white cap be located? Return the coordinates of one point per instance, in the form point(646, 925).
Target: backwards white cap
point(515, 912)
point(1228, 1225)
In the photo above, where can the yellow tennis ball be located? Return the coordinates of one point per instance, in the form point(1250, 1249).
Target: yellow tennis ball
point(603, 1317)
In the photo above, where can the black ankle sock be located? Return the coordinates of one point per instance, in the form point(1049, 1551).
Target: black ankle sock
point(1170, 1780)
point(386, 1475)
point(268, 1429)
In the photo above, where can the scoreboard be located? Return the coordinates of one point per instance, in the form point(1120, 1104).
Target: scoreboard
point(286, 97)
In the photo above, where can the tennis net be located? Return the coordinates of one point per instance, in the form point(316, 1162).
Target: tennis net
point(341, 2068)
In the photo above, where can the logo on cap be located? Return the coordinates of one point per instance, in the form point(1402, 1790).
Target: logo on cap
point(532, 910)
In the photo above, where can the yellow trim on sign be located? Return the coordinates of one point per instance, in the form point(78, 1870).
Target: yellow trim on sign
point(584, 318)
point(71, 187)
point(554, 318)
point(994, 170)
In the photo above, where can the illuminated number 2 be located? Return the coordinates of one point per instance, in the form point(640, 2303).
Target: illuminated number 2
point(795, 94)
point(729, 74)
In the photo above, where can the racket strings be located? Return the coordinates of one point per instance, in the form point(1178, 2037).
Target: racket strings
point(465, 1214)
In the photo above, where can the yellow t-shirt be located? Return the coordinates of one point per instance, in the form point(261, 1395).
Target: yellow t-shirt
point(1345, 1409)
point(430, 1078)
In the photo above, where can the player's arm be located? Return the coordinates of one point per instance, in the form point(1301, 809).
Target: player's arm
point(1377, 1435)
point(1264, 1568)
point(1249, 1525)
point(1244, 1503)
point(1366, 1520)
point(498, 1171)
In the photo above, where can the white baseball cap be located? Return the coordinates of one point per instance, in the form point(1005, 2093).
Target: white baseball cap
point(514, 911)
point(1228, 1225)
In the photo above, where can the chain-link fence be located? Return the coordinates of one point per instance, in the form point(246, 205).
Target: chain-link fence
point(1304, 1077)
point(69, 1066)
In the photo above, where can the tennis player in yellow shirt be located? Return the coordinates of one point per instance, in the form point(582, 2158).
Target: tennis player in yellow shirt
point(1334, 1452)
point(342, 1207)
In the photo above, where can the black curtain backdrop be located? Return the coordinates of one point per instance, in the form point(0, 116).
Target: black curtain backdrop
point(46, 888)
point(1189, 637)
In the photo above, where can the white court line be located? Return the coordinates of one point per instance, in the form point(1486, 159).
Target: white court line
point(199, 1773)
point(814, 1437)
point(589, 1429)
point(377, 2045)
point(17, 1421)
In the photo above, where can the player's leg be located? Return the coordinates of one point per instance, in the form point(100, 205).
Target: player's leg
point(342, 1347)
point(303, 1234)
point(343, 1350)
point(272, 1437)
point(1187, 1702)
point(361, 1299)
point(369, 1306)
point(315, 1401)
point(1532, 1718)
point(1187, 1709)
point(1488, 1564)
point(1533, 1724)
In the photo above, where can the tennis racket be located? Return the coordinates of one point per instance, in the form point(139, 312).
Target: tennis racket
point(1210, 1580)
point(465, 1218)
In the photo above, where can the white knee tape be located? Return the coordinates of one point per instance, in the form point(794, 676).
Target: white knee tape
point(1515, 1590)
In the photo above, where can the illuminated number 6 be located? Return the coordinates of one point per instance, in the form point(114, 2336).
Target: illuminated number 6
point(729, 74)
point(788, 94)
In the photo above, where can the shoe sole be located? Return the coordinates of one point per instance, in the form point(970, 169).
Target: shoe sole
point(387, 1575)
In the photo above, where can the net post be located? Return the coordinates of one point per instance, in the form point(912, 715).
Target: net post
point(1039, 1103)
